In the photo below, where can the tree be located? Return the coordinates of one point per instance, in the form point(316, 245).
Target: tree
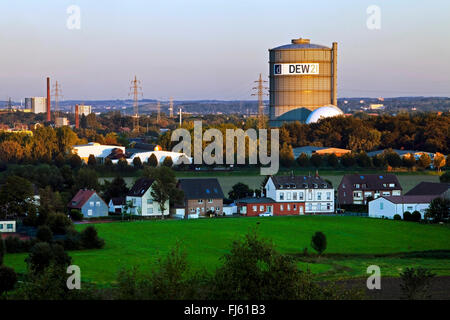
point(439, 161)
point(86, 178)
point(438, 209)
point(44, 234)
point(8, 279)
point(137, 163)
point(239, 191)
point(332, 160)
point(408, 160)
point(59, 223)
point(11, 151)
point(122, 164)
point(165, 187)
point(416, 216)
point(152, 161)
point(115, 189)
point(286, 155)
point(66, 139)
point(49, 202)
point(424, 161)
point(92, 162)
point(167, 162)
point(316, 160)
point(303, 160)
point(407, 216)
point(75, 161)
point(348, 160)
point(43, 254)
point(393, 159)
point(2, 250)
point(16, 198)
point(319, 242)
point(363, 160)
point(415, 283)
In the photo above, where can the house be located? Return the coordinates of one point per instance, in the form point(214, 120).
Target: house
point(201, 196)
point(116, 205)
point(389, 206)
point(7, 226)
point(309, 194)
point(141, 201)
point(439, 190)
point(357, 188)
point(89, 203)
point(99, 151)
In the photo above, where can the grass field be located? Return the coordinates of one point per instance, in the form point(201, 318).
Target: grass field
point(408, 181)
point(354, 243)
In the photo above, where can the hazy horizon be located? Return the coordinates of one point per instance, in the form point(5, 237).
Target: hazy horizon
point(214, 50)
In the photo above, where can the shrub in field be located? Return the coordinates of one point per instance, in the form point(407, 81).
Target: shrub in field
point(76, 215)
point(397, 217)
point(59, 223)
point(43, 255)
point(415, 283)
point(44, 234)
point(72, 241)
point(319, 242)
point(15, 245)
point(416, 216)
point(8, 279)
point(407, 216)
point(90, 239)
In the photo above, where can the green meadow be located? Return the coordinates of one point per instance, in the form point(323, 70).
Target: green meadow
point(354, 243)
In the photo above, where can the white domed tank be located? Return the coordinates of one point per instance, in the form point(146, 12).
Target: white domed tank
point(323, 112)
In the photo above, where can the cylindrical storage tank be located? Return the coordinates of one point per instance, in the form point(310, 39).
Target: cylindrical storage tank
point(302, 78)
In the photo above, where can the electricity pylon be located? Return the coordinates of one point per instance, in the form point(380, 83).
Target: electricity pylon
point(136, 91)
point(260, 95)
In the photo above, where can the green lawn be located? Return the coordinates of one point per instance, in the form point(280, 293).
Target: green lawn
point(353, 244)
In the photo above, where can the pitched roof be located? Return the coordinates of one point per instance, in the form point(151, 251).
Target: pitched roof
point(410, 199)
point(372, 181)
point(300, 182)
point(256, 200)
point(140, 187)
point(206, 188)
point(428, 188)
point(80, 199)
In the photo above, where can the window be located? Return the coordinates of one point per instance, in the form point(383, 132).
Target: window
point(357, 186)
point(9, 226)
point(386, 193)
point(294, 196)
point(209, 200)
point(212, 208)
point(391, 185)
point(381, 205)
point(218, 208)
point(310, 195)
point(200, 201)
point(89, 212)
point(328, 195)
point(91, 203)
point(295, 207)
point(254, 208)
point(281, 195)
point(328, 206)
point(97, 203)
point(192, 210)
point(288, 196)
point(150, 210)
point(300, 195)
point(288, 207)
point(281, 207)
point(149, 201)
point(261, 208)
point(410, 208)
point(319, 196)
point(1, 226)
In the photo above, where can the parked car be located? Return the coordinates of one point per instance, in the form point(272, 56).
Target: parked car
point(266, 214)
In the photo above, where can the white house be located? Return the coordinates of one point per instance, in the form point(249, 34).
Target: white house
point(7, 226)
point(116, 205)
point(99, 151)
point(311, 194)
point(141, 200)
point(388, 207)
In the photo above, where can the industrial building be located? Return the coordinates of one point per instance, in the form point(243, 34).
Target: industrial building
point(303, 80)
point(38, 104)
point(84, 110)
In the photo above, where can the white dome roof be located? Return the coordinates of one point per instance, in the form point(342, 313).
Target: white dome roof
point(323, 112)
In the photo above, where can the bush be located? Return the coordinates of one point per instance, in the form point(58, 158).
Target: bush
point(407, 216)
point(8, 279)
point(72, 241)
point(397, 217)
point(90, 239)
point(416, 216)
point(2, 250)
point(43, 254)
point(44, 234)
point(167, 162)
point(14, 244)
point(319, 242)
point(76, 215)
point(415, 283)
point(59, 223)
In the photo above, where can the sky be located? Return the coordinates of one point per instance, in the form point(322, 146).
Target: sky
point(215, 49)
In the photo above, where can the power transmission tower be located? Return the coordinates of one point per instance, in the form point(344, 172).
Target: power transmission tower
point(57, 94)
point(136, 91)
point(171, 108)
point(260, 95)
point(158, 117)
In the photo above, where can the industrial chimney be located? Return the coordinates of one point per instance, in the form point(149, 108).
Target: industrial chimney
point(77, 118)
point(49, 118)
